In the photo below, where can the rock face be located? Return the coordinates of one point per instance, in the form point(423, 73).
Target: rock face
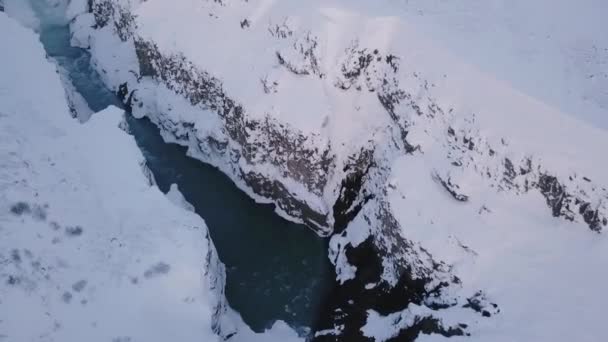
point(252, 141)
point(305, 108)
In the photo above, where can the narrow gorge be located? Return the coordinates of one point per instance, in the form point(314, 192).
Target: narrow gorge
point(275, 270)
point(354, 175)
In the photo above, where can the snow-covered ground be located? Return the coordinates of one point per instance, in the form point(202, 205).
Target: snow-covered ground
point(556, 51)
point(480, 127)
point(90, 248)
point(546, 274)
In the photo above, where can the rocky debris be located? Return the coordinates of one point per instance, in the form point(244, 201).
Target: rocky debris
point(479, 303)
point(280, 31)
point(103, 11)
point(111, 12)
point(451, 188)
point(361, 63)
point(561, 203)
point(302, 56)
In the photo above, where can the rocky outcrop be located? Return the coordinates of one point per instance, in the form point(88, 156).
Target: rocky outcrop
point(382, 272)
point(255, 142)
point(573, 198)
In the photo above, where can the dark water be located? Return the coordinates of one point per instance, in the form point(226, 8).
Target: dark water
point(276, 270)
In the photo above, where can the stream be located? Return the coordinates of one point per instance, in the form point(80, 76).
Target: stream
point(276, 270)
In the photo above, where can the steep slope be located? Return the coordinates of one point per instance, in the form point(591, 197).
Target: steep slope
point(349, 119)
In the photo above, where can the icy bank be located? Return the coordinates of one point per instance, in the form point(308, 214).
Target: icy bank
point(89, 248)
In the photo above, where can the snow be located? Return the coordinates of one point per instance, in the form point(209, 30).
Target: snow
point(21, 10)
point(246, 57)
point(86, 250)
point(279, 332)
point(545, 273)
point(178, 199)
point(90, 248)
point(382, 328)
point(242, 58)
point(555, 51)
point(518, 80)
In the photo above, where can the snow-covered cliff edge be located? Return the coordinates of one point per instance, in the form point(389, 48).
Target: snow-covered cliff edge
point(350, 120)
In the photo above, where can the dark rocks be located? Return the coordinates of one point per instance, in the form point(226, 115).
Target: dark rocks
point(103, 11)
point(509, 173)
point(305, 46)
point(479, 303)
point(352, 195)
point(260, 141)
point(384, 252)
point(289, 66)
point(124, 23)
point(288, 202)
point(391, 97)
point(348, 304)
point(108, 11)
point(592, 217)
point(451, 188)
point(125, 97)
point(561, 203)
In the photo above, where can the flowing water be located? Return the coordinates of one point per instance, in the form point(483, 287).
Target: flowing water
point(276, 270)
